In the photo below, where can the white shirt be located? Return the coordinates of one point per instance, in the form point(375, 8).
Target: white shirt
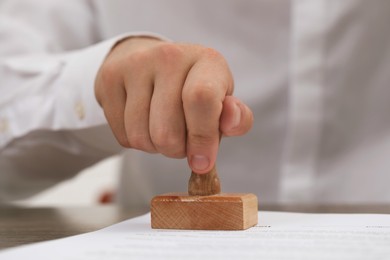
point(314, 72)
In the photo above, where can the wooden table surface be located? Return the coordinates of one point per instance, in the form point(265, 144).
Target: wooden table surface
point(20, 226)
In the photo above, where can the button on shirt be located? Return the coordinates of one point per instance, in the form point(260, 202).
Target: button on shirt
point(314, 72)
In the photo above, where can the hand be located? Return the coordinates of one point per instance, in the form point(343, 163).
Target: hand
point(170, 98)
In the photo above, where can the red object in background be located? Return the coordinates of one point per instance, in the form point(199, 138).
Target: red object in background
point(106, 197)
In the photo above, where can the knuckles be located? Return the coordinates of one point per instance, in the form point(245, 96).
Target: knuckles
point(162, 54)
point(141, 142)
point(202, 140)
point(136, 60)
point(201, 93)
point(169, 143)
point(212, 54)
point(160, 141)
point(168, 53)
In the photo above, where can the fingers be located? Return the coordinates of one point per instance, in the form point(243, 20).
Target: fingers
point(167, 122)
point(173, 99)
point(236, 118)
point(204, 91)
point(139, 90)
point(113, 99)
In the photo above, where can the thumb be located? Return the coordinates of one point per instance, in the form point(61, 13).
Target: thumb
point(236, 117)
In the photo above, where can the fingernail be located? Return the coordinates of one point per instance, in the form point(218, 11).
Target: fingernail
point(199, 162)
point(236, 116)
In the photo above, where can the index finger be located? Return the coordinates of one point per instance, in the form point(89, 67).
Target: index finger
point(207, 84)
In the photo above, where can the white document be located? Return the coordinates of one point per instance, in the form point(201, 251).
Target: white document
point(278, 236)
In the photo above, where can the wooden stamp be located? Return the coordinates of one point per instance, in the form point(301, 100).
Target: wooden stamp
point(204, 207)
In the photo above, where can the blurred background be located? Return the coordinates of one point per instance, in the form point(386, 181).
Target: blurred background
point(92, 186)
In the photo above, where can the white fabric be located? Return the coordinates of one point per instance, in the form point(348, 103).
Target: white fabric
point(315, 73)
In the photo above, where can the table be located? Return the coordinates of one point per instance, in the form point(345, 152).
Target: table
point(20, 226)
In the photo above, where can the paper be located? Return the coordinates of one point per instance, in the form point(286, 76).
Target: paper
point(278, 236)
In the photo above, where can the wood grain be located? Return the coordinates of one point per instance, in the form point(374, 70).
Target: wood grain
point(226, 211)
point(204, 184)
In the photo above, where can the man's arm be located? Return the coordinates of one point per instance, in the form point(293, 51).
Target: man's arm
point(160, 97)
point(49, 118)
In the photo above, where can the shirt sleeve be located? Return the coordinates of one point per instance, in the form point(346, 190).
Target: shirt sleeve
point(51, 125)
point(50, 91)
